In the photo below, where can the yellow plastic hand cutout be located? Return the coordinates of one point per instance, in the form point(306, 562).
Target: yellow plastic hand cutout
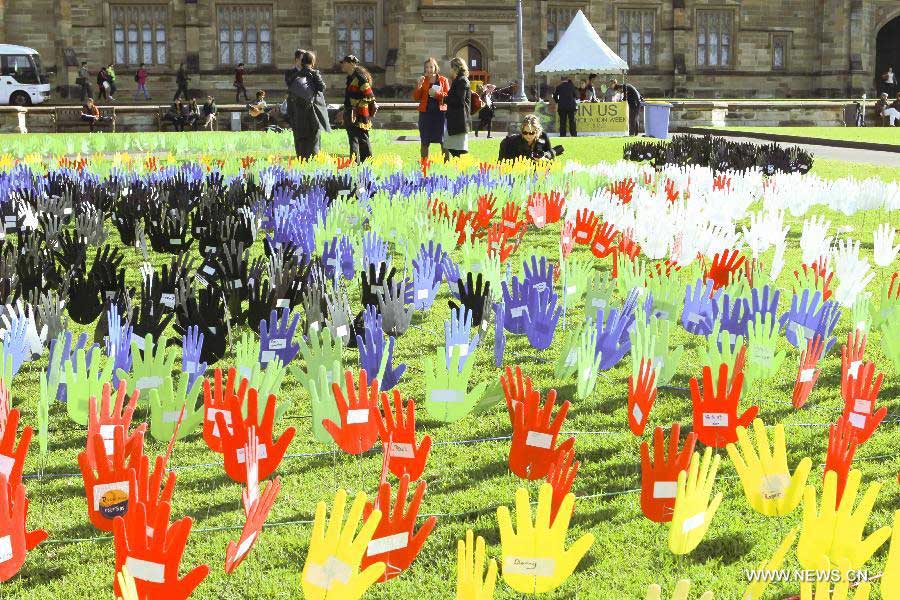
point(841, 589)
point(332, 566)
point(838, 533)
point(757, 588)
point(535, 559)
point(768, 485)
point(471, 584)
point(693, 511)
point(891, 578)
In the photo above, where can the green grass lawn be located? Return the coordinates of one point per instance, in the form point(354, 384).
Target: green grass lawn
point(186, 146)
point(467, 481)
point(874, 135)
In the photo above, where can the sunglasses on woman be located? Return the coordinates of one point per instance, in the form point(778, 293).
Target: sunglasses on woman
point(529, 132)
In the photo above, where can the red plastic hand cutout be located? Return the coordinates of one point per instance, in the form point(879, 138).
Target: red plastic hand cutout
point(12, 454)
point(715, 410)
point(153, 559)
point(150, 489)
point(859, 403)
point(567, 239)
point(15, 541)
point(216, 401)
point(808, 373)
point(510, 223)
point(723, 265)
point(111, 485)
point(561, 476)
point(604, 240)
point(585, 223)
point(394, 541)
point(533, 450)
point(399, 437)
point(516, 389)
point(842, 445)
point(485, 213)
point(556, 203)
point(358, 430)
point(641, 396)
point(852, 354)
point(256, 514)
point(659, 479)
point(269, 451)
point(108, 418)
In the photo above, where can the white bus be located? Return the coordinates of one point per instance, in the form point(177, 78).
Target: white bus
point(23, 81)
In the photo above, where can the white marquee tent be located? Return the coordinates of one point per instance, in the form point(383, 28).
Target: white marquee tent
point(580, 50)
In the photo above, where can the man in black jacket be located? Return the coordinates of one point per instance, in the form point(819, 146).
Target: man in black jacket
point(566, 97)
point(181, 80)
point(635, 101)
point(307, 112)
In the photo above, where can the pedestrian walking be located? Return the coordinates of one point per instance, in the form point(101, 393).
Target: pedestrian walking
point(84, 81)
point(486, 114)
point(359, 107)
point(141, 79)
point(239, 84)
point(111, 74)
point(103, 86)
point(430, 92)
point(181, 80)
point(306, 109)
point(459, 110)
point(566, 97)
point(635, 102)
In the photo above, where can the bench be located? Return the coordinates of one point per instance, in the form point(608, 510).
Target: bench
point(67, 116)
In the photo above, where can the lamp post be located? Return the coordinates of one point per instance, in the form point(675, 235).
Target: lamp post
point(520, 56)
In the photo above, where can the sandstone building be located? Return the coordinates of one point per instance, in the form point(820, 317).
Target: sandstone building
point(677, 48)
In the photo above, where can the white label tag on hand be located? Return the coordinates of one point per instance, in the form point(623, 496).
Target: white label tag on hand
point(526, 565)
point(572, 357)
point(245, 545)
point(341, 331)
point(806, 375)
point(356, 416)
point(387, 544)
point(283, 303)
point(445, 396)
point(167, 300)
point(101, 489)
point(715, 419)
point(692, 523)
point(539, 439)
point(107, 432)
point(324, 575)
point(637, 413)
point(853, 368)
point(401, 450)
point(6, 465)
point(266, 356)
point(260, 453)
point(211, 416)
point(858, 420)
point(774, 486)
point(5, 549)
point(863, 406)
point(146, 570)
point(665, 489)
point(148, 382)
point(421, 294)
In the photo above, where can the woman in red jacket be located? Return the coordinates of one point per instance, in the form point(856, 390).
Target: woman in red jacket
point(429, 93)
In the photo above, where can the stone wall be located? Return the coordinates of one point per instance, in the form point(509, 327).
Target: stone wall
point(830, 43)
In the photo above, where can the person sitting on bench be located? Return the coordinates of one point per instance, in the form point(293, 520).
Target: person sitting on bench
point(90, 113)
point(176, 115)
point(531, 143)
point(885, 110)
point(259, 110)
point(208, 113)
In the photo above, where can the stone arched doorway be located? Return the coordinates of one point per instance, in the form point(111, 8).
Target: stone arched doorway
point(887, 51)
point(473, 56)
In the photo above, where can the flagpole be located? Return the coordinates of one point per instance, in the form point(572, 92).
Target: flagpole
point(520, 56)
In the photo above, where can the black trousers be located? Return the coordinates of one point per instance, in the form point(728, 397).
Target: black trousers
point(237, 92)
point(634, 112)
point(182, 89)
point(567, 117)
point(359, 143)
point(306, 146)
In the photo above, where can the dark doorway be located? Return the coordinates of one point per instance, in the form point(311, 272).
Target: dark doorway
point(887, 54)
